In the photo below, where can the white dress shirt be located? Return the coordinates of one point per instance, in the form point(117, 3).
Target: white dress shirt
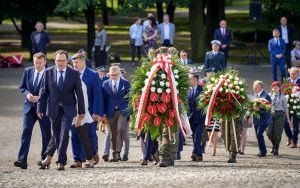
point(166, 31)
point(223, 31)
point(259, 93)
point(184, 61)
point(81, 72)
point(58, 74)
point(87, 116)
point(284, 34)
point(40, 75)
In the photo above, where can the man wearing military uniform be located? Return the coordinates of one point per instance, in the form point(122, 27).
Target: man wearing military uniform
point(229, 139)
point(215, 60)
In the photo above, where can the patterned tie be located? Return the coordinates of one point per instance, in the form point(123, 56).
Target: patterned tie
point(36, 81)
point(61, 81)
point(115, 89)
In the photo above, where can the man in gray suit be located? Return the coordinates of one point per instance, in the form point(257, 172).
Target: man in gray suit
point(166, 31)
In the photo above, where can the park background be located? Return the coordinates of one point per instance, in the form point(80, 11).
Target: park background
point(71, 24)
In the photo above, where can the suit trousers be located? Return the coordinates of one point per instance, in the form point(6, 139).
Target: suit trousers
point(151, 147)
point(135, 48)
point(274, 131)
point(61, 126)
point(292, 133)
point(119, 129)
point(81, 144)
point(181, 142)
point(197, 129)
point(277, 62)
point(29, 120)
point(92, 133)
point(99, 56)
point(167, 43)
point(260, 128)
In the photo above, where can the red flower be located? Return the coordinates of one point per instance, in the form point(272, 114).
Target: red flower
point(153, 97)
point(151, 109)
point(223, 94)
point(146, 117)
point(166, 97)
point(156, 121)
point(162, 108)
point(169, 122)
point(172, 113)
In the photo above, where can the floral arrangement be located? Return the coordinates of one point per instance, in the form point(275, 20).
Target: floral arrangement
point(224, 96)
point(292, 94)
point(257, 105)
point(158, 87)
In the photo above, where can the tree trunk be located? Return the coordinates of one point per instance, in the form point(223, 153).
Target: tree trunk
point(159, 11)
point(196, 12)
point(171, 11)
point(27, 28)
point(90, 19)
point(104, 13)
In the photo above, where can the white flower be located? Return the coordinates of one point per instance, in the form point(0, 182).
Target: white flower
point(143, 89)
point(177, 92)
point(225, 84)
point(212, 79)
point(237, 87)
point(242, 90)
point(161, 83)
point(168, 84)
point(159, 90)
point(146, 81)
point(236, 82)
point(237, 78)
point(230, 85)
point(237, 92)
point(243, 97)
point(176, 83)
point(168, 90)
point(295, 102)
point(291, 100)
point(163, 76)
point(226, 90)
point(292, 112)
point(292, 95)
point(176, 76)
point(294, 107)
point(287, 96)
point(240, 82)
point(221, 89)
point(153, 82)
point(152, 89)
point(228, 80)
point(230, 77)
point(233, 91)
point(175, 71)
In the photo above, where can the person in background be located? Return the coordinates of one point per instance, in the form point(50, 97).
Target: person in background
point(286, 33)
point(223, 34)
point(214, 60)
point(150, 35)
point(166, 32)
point(247, 123)
point(146, 21)
point(100, 45)
point(184, 58)
point(265, 119)
point(88, 62)
point(280, 112)
point(295, 54)
point(40, 39)
point(276, 47)
point(136, 39)
point(30, 86)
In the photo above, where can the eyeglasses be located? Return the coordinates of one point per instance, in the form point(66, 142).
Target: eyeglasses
point(61, 60)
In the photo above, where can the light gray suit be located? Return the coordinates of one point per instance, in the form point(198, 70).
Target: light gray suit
point(161, 33)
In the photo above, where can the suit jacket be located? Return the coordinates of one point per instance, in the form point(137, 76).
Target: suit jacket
point(51, 95)
point(223, 39)
point(290, 33)
point(102, 80)
point(118, 99)
point(214, 63)
point(94, 90)
point(195, 114)
point(265, 116)
point(161, 32)
point(42, 45)
point(297, 81)
point(275, 49)
point(27, 87)
point(188, 62)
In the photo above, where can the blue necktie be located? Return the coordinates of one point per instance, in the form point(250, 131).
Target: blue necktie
point(61, 81)
point(36, 81)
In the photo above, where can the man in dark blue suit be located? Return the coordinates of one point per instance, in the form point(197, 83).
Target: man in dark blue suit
point(276, 47)
point(264, 120)
point(102, 71)
point(30, 86)
point(95, 106)
point(61, 91)
point(215, 60)
point(184, 58)
point(115, 92)
point(223, 34)
point(196, 116)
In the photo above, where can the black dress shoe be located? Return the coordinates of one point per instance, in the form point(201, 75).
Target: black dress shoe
point(21, 164)
point(231, 160)
point(261, 155)
point(61, 167)
point(105, 158)
point(44, 166)
point(39, 163)
point(193, 157)
point(275, 153)
point(124, 158)
point(178, 156)
point(163, 164)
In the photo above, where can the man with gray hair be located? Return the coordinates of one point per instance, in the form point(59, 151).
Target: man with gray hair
point(115, 91)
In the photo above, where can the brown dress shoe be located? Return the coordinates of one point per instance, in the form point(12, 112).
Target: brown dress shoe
point(96, 159)
point(293, 146)
point(76, 164)
point(199, 159)
point(144, 162)
point(288, 142)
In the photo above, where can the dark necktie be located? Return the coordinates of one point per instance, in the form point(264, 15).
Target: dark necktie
point(36, 81)
point(61, 81)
